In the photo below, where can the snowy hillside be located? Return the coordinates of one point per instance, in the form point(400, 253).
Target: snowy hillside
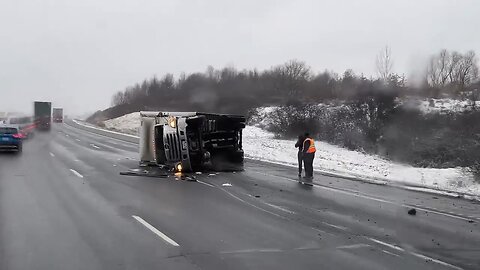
point(262, 116)
point(128, 123)
point(262, 145)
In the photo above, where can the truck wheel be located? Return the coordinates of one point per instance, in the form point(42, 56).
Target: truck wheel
point(19, 148)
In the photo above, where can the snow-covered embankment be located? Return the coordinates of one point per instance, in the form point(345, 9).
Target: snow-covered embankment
point(262, 145)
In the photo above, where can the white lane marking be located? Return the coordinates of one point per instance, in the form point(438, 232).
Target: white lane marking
point(435, 261)
point(413, 253)
point(390, 253)
point(76, 173)
point(354, 246)
point(52, 154)
point(360, 195)
point(254, 206)
point(204, 183)
point(452, 215)
point(264, 250)
point(155, 231)
point(335, 226)
point(280, 208)
point(94, 146)
point(386, 244)
point(347, 192)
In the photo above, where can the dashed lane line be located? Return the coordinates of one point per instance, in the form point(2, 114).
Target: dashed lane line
point(156, 231)
point(386, 244)
point(390, 253)
point(205, 183)
point(76, 173)
point(94, 146)
point(335, 226)
point(418, 255)
point(435, 261)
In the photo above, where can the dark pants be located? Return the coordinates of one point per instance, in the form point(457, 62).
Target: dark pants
point(300, 162)
point(308, 161)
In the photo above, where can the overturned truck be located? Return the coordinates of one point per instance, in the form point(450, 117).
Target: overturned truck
point(192, 141)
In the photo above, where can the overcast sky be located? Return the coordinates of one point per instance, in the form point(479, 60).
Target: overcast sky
point(77, 53)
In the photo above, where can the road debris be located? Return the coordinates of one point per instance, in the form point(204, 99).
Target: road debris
point(412, 212)
point(226, 185)
point(148, 173)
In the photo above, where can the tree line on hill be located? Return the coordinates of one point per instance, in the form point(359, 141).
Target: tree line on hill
point(370, 120)
point(229, 90)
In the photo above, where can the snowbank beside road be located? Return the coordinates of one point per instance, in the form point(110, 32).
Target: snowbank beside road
point(261, 145)
point(128, 123)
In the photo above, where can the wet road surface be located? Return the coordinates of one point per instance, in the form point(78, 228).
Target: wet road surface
point(64, 205)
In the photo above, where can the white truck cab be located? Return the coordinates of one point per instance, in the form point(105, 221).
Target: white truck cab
point(191, 141)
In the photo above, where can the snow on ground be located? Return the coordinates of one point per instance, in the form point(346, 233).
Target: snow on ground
point(445, 105)
point(261, 145)
point(128, 123)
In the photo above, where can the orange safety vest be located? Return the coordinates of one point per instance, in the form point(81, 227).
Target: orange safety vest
point(311, 148)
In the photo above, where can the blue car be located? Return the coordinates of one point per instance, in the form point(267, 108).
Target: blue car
point(11, 138)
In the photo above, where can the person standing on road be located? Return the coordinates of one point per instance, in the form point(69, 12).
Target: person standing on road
point(308, 155)
point(299, 145)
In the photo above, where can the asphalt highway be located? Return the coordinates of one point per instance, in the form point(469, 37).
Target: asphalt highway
point(64, 205)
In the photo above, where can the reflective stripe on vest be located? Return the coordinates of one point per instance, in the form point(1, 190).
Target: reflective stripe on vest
point(311, 148)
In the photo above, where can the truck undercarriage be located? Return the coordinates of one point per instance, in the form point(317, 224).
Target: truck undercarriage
point(192, 141)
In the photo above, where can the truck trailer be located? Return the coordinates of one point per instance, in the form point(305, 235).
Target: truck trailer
point(57, 115)
point(192, 141)
point(42, 115)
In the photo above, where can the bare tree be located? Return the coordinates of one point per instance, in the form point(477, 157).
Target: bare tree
point(452, 70)
point(384, 63)
point(467, 70)
point(455, 58)
point(433, 74)
point(444, 61)
point(439, 69)
point(118, 99)
point(293, 74)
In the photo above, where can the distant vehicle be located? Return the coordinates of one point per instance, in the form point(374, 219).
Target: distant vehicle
point(192, 141)
point(43, 115)
point(11, 137)
point(25, 123)
point(57, 115)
